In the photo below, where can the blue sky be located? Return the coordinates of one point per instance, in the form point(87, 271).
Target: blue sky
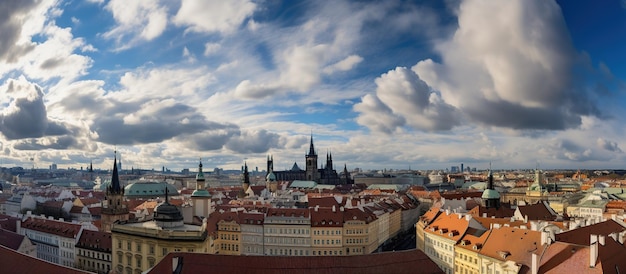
point(380, 84)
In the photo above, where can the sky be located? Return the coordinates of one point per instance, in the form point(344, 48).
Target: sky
point(377, 84)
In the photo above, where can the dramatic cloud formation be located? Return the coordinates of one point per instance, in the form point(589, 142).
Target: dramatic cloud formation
point(26, 116)
point(381, 84)
point(12, 16)
point(409, 97)
point(515, 70)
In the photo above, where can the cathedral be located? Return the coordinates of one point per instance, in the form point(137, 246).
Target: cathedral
point(325, 175)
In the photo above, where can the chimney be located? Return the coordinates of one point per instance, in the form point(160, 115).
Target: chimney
point(447, 212)
point(525, 218)
point(18, 226)
point(535, 263)
point(468, 217)
point(593, 250)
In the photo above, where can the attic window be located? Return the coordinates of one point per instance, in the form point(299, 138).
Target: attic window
point(504, 254)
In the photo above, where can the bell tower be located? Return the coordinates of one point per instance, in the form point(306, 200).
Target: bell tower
point(312, 173)
point(200, 197)
point(113, 207)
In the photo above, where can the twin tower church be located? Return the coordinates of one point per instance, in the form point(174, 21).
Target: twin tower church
point(325, 175)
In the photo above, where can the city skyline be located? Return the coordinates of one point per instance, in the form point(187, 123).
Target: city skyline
point(395, 85)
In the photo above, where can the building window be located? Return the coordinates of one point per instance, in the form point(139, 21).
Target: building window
point(151, 249)
point(139, 262)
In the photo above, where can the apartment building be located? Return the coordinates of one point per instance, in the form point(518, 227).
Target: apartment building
point(287, 231)
point(55, 239)
point(327, 231)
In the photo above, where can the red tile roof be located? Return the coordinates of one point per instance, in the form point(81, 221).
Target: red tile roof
point(288, 212)
point(59, 228)
point(326, 201)
point(581, 235)
point(20, 263)
point(9, 223)
point(514, 244)
point(95, 240)
point(10, 239)
point(413, 261)
point(326, 217)
point(538, 211)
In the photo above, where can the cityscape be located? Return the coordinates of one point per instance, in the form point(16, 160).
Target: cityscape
point(256, 136)
point(462, 220)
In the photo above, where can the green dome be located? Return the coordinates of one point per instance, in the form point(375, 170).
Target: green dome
point(149, 189)
point(490, 194)
point(200, 193)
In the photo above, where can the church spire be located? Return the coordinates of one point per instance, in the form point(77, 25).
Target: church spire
point(311, 147)
point(200, 175)
point(115, 186)
point(246, 175)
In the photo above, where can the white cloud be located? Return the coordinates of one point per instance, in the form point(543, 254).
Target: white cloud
point(214, 16)
point(514, 70)
point(211, 48)
point(141, 20)
point(346, 64)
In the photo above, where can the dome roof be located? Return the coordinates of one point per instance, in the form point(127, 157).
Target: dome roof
point(149, 189)
point(200, 193)
point(166, 212)
point(490, 194)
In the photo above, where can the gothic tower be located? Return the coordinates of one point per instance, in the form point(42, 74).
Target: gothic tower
point(312, 173)
point(113, 207)
point(200, 197)
point(245, 182)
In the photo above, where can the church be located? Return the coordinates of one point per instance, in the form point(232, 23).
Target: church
point(325, 175)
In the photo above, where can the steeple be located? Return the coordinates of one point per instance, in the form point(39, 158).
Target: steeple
point(246, 175)
point(200, 175)
point(312, 173)
point(311, 147)
point(115, 187)
point(113, 207)
point(346, 174)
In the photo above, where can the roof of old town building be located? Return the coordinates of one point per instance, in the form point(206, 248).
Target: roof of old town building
point(21, 263)
point(513, 244)
point(326, 217)
point(63, 229)
point(537, 211)
point(10, 239)
point(95, 240)
point(449, 225)
point(581, 235)
point(412, 261)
